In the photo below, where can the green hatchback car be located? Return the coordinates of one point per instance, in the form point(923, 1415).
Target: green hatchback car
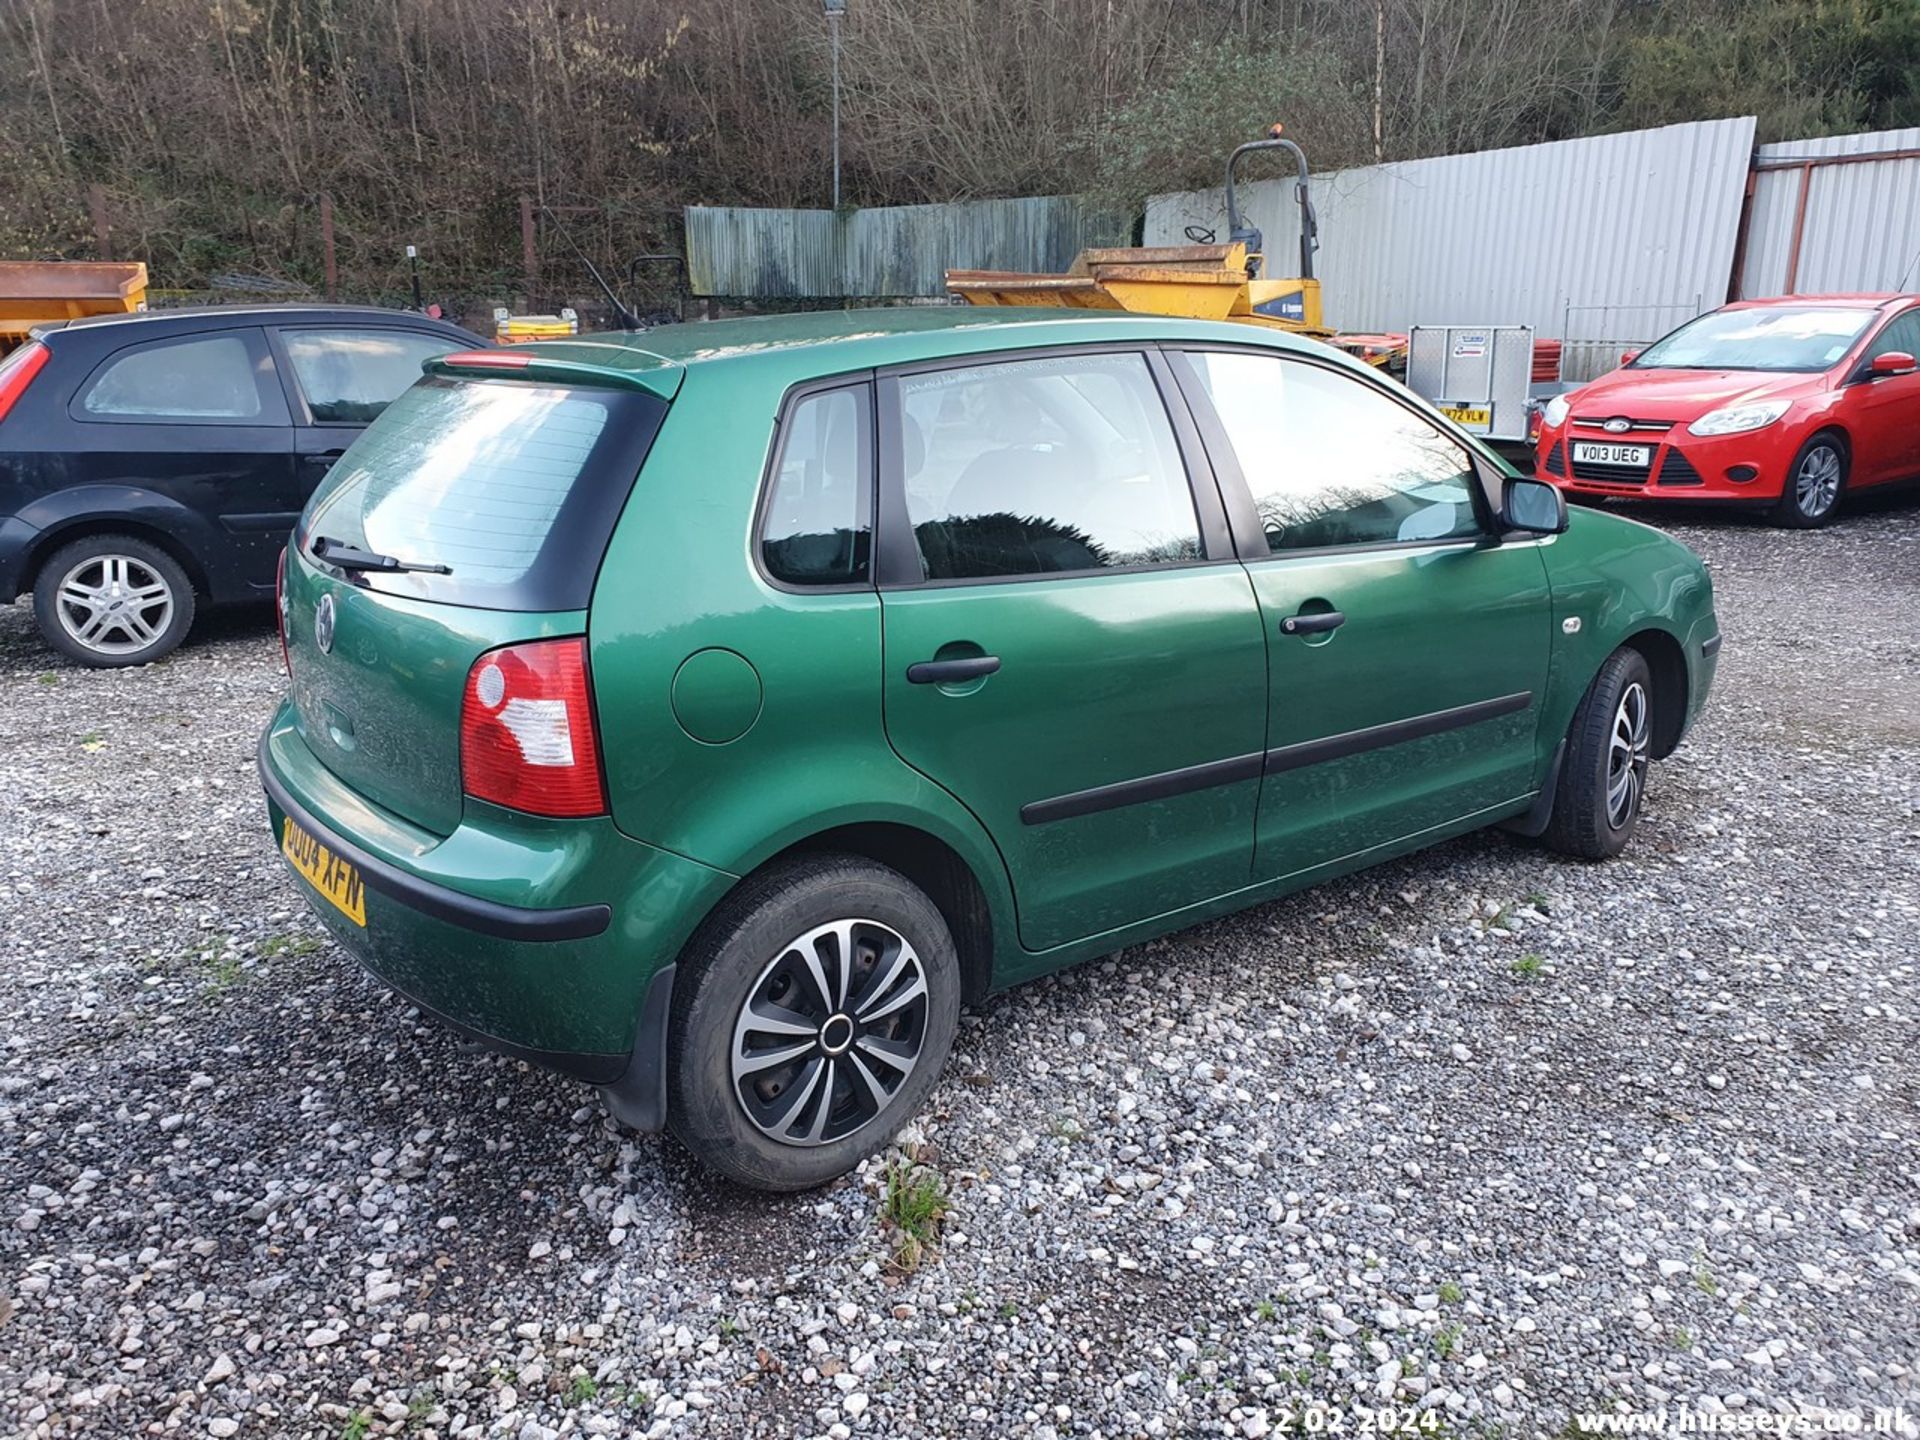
point(709, 713)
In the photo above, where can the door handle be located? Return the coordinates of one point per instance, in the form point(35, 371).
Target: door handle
point(952, 672)
point(1316, 624)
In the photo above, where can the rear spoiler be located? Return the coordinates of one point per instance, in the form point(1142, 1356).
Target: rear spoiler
point(661, 377)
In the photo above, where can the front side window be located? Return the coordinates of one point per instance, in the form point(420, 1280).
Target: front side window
point(1902, 335)
point(1047, 466)
point(350, 375)
point(1331, 460)
point(818, 524)
point(209, 377)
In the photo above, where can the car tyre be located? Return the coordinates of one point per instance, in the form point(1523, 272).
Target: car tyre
point(108, 601)
point(1815, 482)
point(1603, 774)
point(786, 1066)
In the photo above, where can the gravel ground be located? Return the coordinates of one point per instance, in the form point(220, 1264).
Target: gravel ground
point(1483, 1132)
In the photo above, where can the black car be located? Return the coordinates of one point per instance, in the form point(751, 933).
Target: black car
point(153, 463)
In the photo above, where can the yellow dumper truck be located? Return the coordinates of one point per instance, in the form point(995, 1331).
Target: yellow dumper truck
point(32, 292)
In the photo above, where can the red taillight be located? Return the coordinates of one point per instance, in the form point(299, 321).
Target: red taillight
point(526, 731)
point(280, 609)
point(17, 372)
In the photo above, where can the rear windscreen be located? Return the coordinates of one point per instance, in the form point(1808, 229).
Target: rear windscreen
point(514, 488)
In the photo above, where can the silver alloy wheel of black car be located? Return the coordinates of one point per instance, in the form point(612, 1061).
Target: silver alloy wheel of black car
point(829, 1032)
point(114, 605)
point(1816, 480)
point(1628, 748)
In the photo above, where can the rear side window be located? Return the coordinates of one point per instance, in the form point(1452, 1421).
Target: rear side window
point(203, 378)
point(1047, 466)
point(817, 528)
point(1331, 460)
point(350, 375)
point(513, 487)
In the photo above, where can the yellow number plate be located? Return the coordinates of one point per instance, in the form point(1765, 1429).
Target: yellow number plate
point(333, 877)
point(1468, 415)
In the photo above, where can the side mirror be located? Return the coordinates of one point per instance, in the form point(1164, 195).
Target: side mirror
point(1533, 505)
point(1627, 357)
point(1894, 362)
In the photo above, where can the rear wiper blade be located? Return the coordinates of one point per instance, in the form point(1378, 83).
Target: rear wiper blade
point(351, 557)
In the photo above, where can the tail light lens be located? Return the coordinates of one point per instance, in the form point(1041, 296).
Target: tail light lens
point(280, 610)
point(17, 372)
point(526, 731)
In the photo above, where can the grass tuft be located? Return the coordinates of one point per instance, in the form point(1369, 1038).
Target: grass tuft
point(913, 1205)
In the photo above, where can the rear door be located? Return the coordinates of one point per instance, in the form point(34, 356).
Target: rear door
point(1069, 646)
point(1408, 645)
point(201, 420)
point(1883, 413)
point(340, 378)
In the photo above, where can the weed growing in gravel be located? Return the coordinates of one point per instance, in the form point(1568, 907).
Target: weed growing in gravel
point(47, 677)
point(357, 1427)
point(1446, 1339)
point(292, 946)
point(1065, 1127)
point(1703, 1281)
point(913, 1205)
point(729, 1327)
point(1541, 901)
point(223, 972)
point(583, 1389)
point(92, 740)
point(1528, 966)
point(1683, 1339)
point(1451, 1292)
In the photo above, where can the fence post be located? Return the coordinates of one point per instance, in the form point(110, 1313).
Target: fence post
point(326, 245)
point(102, 231)
point(529, 259)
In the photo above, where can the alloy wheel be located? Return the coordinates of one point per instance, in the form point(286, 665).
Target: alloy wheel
point(829, 1032)
point(1816, 484)
point(114, 604)
point(1627, 753)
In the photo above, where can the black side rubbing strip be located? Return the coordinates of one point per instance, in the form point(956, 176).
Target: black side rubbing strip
point(1151, 787)
point(1396, 732)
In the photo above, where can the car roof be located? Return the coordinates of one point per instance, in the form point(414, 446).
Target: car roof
point(198, 315)
point(1844, 301)
point(830, 342)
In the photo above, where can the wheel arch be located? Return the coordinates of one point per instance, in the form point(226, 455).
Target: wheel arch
point(936, 868)
point(1667, 660)
point(62, 534)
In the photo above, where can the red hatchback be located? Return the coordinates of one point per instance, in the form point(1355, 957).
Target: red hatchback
point(1781, 403)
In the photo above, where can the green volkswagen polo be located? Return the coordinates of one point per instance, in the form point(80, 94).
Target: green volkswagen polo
point(709, 713)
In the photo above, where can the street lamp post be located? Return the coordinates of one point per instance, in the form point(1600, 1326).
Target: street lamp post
point(835, 9)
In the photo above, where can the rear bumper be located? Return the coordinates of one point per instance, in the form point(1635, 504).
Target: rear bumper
point(1684, 467)
point(542, 939)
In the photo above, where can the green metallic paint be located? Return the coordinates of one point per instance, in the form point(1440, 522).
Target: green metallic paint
point(1103, 679)
point(580, 997)
point(1427, 628)
point(835, 716)
point(716, 696)
point(382, 711)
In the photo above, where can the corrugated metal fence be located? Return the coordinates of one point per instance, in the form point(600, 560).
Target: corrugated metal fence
point(890, 252)
point(1840, 213)
point(1607, 241)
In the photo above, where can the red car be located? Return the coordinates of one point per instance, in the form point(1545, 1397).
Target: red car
point(1785, 404)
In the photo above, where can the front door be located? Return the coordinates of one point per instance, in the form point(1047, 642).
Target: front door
point(1408, 644)
point(1063, 651)
point(1883, 412)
